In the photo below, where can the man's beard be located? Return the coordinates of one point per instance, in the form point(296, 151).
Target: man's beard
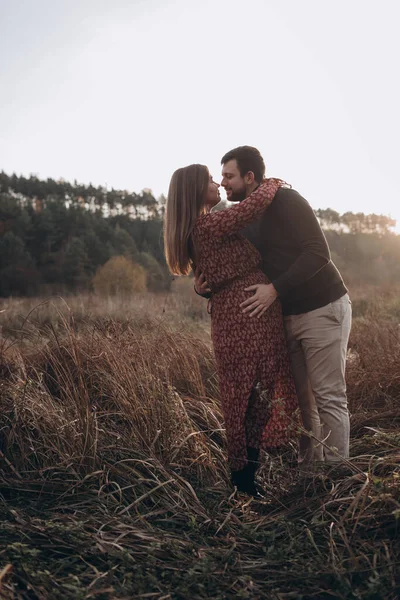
point(238, 196)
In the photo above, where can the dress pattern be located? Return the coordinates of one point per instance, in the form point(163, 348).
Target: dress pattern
point(256, 386)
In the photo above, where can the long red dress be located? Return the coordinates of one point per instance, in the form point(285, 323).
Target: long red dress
point(256, 386)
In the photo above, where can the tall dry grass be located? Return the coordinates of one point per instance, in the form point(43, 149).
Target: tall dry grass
point(113, 480)
point(112, 394)
point(180, 302)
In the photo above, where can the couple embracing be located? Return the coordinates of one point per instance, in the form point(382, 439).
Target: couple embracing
point(280, 312)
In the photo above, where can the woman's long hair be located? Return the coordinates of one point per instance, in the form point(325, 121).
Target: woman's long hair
point(185, 203)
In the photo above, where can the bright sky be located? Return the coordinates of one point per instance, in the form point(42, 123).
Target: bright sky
point(123, 92)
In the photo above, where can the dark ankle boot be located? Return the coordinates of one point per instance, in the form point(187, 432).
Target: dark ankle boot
point(239, 479)
point(244, 481)
point(253, 455)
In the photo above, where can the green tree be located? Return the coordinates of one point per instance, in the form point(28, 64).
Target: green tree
point(17, 270)
point(328, 218)
point(9, 212)
point(158, 278)
point(98, 253)
point(123, 243)
point(75, 265)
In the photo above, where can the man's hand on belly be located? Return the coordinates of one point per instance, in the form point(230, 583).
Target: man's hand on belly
point(264, 295)
point(200, 283)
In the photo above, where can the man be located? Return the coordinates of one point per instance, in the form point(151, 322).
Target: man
point(315, 303)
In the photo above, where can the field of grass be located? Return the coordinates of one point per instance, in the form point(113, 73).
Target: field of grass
point(113, 478)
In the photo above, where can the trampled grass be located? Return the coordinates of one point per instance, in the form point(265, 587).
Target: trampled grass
point(113, 481)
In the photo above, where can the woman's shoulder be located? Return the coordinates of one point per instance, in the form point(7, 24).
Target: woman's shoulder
point(201, 223)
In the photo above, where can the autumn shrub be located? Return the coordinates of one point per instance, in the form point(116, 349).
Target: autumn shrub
point(119, 276)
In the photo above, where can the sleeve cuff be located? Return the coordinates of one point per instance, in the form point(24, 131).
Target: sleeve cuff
point(279, 287)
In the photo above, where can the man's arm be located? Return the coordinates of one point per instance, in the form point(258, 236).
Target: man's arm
point(303, 227)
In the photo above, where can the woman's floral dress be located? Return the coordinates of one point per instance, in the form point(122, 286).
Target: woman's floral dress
point(256, 386)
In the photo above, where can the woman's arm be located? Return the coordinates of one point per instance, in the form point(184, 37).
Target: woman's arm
point(235, 218)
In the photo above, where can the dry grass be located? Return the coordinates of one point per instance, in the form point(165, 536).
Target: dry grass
point(23, 318)
point(113, 477)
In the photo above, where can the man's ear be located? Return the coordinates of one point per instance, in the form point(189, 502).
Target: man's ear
point(249, 178)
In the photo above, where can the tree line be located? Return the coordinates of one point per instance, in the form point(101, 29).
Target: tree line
point(55, 235)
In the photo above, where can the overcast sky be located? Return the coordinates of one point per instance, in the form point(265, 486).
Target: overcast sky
point(123, 92)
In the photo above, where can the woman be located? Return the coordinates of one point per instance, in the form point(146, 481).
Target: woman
point(256, 386)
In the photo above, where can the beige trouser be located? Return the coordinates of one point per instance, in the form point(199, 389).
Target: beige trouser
point(317, 342)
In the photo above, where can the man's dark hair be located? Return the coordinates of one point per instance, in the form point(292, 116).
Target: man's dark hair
point(248, 159)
